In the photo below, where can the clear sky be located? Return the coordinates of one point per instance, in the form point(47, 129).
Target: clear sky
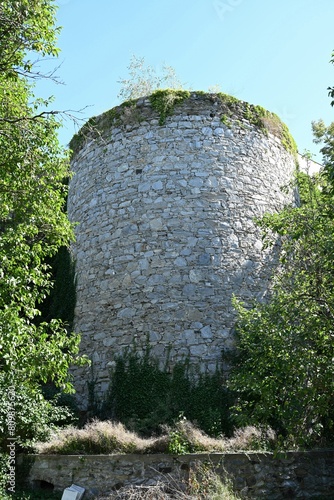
point(274, 53)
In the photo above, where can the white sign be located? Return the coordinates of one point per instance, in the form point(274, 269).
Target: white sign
point(74, 492)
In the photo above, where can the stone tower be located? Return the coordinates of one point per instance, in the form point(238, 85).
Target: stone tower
point(164, 194)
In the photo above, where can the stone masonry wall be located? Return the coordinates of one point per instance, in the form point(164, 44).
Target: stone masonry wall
point(166, 231)
point(253, 475)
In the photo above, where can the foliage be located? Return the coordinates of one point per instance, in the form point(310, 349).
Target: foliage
point(204, 482)
point(60, 302)
point(185, 438)
point(96, 438)
point(231, 101)
point(270, 122)
point(33, 226)
point(178, 445)
point(143, 395)
point(331, 89)
point(26, 29)
point(21, 491)
point(165, 91)
point(144, 80)
point(325, 135)
point(164, 101)
point(88, 129)
point(37, 495)
point(266, 121)
point(226, 120)
point(34, 415)
point(283, 371)
point(100, 437)
point(3, 472)
point(67, 409)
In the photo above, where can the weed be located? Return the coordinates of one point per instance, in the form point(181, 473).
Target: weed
point(98, 438)
point(88, 129)
point(164, 101)
point(203, 483)
point(226, 120)
point(183, 437)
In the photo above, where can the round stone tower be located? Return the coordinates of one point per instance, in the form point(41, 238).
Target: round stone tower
point(164, 193)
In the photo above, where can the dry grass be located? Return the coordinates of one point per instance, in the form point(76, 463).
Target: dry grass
point(203, 483)
point(107, 437)
point(251, 438)
point(193, 438)
point(160, 491)
point(99, 438)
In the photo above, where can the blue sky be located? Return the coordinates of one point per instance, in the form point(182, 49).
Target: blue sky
point(267, 52)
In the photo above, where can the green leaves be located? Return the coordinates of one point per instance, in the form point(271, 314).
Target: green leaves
point(325, 135)
point(26, 26)
point(283, 372)
point(144, 396)
point(33, 224)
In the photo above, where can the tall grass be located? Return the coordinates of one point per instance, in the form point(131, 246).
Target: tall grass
point(108, 437)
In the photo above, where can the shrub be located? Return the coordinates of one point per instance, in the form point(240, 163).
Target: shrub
point(34, 416)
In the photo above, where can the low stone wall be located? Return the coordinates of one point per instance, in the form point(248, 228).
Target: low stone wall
point(254, 475)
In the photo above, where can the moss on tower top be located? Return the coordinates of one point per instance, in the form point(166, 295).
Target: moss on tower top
point(163, 102)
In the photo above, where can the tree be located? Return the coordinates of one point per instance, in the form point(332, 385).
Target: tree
point(325, 134)
point(33, 223)
point(283, 373)
point(331, 89)
point(144, 79)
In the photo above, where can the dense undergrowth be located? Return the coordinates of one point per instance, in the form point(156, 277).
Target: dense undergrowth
point(144, 396)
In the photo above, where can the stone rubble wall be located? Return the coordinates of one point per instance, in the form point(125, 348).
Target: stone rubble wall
point(253, 475)
point(166, 232)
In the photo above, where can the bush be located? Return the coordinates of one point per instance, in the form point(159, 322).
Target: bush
point(283, 372)
point(28, 416)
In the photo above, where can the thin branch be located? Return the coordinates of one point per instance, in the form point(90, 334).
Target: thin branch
point(68, 113)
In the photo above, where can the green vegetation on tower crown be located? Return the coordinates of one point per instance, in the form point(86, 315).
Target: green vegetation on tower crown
point(232, 111)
